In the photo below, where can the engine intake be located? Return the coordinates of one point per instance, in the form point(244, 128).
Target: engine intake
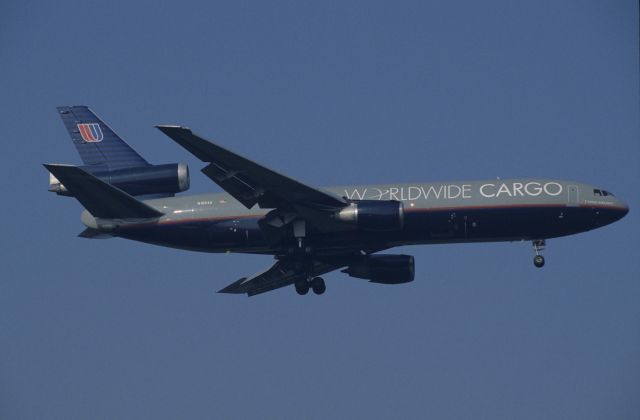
point(373, 214)
point(153, 179)
point(385, 269)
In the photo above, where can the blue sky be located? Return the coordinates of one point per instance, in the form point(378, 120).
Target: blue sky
point(329, 93)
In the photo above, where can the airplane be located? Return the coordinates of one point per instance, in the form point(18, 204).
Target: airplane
point(310, 231)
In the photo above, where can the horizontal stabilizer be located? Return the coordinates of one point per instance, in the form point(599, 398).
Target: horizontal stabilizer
point(100, 198)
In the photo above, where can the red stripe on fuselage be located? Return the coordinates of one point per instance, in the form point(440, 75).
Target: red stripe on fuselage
point(408, 210)
point(211, 218)
point(514, 206)
point(501, 206)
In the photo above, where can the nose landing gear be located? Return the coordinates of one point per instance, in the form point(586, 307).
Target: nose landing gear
point(538, 247)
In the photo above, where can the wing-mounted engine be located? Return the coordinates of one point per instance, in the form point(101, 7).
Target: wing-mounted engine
point(385, 269)
point(373, 214)
point(166, 179)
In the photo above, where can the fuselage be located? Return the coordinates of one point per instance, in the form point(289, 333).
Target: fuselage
point(440, 212)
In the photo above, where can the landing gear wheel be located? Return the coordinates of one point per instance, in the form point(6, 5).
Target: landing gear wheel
point(318, 286)
point(302, 287)
point(538, 247)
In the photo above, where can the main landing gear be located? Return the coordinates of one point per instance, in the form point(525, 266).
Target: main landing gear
point(316, 284)
point(538, 247)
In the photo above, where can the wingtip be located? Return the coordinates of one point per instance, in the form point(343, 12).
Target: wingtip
point(53, 166)
point(68, 107)
point(230, 292)
point(233, 287)
point(50, 166)
point(163, 127)
point(57, 164)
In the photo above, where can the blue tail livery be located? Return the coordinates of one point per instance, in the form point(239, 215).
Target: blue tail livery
point(96, 142)
point(109, 158)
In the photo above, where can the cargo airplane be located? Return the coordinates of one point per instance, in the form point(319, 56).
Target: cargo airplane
point(310, 231)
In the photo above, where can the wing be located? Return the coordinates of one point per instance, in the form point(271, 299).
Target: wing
point(282, 273)
point(249, 182)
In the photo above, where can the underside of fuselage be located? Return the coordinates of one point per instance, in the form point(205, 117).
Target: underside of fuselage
point(424, 226)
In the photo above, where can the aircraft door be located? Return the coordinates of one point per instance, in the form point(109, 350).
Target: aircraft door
point(573, 195)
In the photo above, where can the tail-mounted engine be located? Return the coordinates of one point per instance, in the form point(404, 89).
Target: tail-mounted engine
point(373, 214)
point(153, 179)
point(386, 269)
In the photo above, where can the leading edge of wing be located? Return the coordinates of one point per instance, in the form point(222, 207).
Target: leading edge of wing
point(248, 181)
point(274, 277)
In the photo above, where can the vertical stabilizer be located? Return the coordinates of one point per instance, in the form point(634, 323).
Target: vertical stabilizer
point(96, 142)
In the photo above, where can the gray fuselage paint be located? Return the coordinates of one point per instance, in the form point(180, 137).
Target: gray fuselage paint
point(440, 212)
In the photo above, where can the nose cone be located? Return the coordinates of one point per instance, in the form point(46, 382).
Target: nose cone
point(608, 215)
point(624, 209)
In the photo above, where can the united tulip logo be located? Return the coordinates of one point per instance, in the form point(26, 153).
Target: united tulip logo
point(91, 133)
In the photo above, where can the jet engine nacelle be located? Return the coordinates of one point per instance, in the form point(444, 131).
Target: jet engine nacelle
point(373, 214)
point(153, 179)
point(386, 269)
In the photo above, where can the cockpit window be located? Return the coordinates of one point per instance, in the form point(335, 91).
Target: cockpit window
point(602, 193)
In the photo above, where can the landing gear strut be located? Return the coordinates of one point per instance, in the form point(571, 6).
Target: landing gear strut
point(316, 284)
point(538, 247)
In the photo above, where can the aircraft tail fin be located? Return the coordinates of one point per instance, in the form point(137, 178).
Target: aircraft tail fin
point(101, 199)
point(96, 142)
